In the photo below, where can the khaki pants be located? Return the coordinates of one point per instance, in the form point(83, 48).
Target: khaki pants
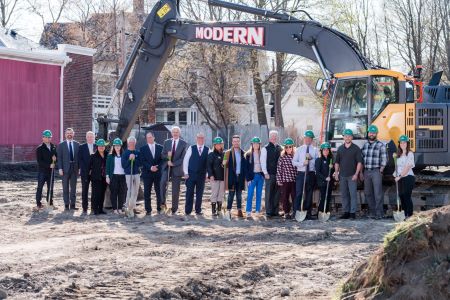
point(217, 191)
point(133, 182)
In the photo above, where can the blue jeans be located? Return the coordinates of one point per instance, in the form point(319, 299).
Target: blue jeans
point(257, 182)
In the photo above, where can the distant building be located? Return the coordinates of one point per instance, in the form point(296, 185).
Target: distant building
point(301, 107)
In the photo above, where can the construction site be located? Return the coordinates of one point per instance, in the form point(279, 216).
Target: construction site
point(216, 72)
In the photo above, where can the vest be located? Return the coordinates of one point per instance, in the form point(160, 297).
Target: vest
point(273, 154)
point(197, 163)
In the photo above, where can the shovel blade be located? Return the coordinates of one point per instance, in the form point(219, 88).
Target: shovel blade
point(324, 216)
point(300, 216)
point(399, 216)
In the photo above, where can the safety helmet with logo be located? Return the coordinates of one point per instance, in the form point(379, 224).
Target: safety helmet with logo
point(348, 132)
point(403, 138)
point(325, 145)
point(47, 133)
point(101, 143)
point(309, 133)
point(289, 142)
point(256, 140)
point(217, 140)
point(117, 142)
point(372, 129)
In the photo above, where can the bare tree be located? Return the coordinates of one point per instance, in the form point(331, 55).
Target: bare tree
point(8, 8)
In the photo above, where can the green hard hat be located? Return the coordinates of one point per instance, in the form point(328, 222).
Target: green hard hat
point(403, 138)
point(325, 146)
point(47, 133)
point(289, 142)
point(101, 142)
point(117, 142)
point(256, 140)
point(348, 132)
point(372, 129)
point(217, 140)
point(309, 133)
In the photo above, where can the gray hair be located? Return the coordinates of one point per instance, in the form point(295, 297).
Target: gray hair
point(175, 128)
point(273, 132)
point(90, 132)
point(200, 134)
point(131, 139)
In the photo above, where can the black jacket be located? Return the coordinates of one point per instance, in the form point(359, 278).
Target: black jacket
point(322, 169)
point(97, 166)
point(44, 157)
point(83, 159)
point(214, 165)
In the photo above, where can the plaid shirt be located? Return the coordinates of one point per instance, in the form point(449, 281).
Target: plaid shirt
point(374, 155)
point(286, 172)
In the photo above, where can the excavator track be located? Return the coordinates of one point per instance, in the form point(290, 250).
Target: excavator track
point(433, 176)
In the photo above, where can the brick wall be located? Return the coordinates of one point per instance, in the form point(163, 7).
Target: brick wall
point(22, 153)
point(78, 95)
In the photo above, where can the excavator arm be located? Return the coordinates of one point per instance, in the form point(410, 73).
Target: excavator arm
point(332, 50)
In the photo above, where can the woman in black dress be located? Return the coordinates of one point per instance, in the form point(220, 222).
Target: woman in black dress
point(97, 169)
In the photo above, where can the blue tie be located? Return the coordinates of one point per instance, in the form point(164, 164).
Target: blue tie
point(71, 151)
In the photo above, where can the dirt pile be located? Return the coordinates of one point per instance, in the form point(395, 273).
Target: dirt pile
point(413, 262)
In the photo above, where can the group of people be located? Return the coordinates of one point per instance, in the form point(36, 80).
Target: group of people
point(290, 174)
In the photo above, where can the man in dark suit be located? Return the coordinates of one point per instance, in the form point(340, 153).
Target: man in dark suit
point(46, 158)
point(68, 168)
point(194, 168)
point(234, 160)
point(84, 155)
point(173, 153)
point(151, 174)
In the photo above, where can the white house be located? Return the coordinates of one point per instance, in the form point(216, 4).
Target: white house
point(301, 107)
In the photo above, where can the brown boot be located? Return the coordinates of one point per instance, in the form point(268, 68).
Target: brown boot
point(240, 214)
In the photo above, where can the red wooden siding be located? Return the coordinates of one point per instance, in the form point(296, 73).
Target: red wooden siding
point(29, 102)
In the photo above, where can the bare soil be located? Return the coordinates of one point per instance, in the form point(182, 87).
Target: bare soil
point(62, 255)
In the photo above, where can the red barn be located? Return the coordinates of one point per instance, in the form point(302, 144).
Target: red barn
point(43, 89)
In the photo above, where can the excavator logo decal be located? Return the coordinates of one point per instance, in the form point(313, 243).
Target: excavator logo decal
point(235, 35)
point(163, 10)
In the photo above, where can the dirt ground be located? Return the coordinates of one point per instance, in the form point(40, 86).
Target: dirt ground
point(66, 256)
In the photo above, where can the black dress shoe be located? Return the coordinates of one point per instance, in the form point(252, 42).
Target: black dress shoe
point(149, 213)
point(352, 216)
point(345, 216)
point(73, 207)
point(102, 212)
point(66, 207)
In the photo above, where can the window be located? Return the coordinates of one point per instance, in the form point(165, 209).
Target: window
point(182, 118)
point(104, 87)
point(171, 117)
point(159, 117)
point(309, 127)
point(349, 108)
point(384, 91)
point(300, 102)
point(193, 117)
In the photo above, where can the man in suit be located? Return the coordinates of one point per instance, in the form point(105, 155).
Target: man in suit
point(84, 155)
point(234, 160)
point(173, 153)
point(68, 168)
point(194, 168)
point(151, 174)
point(46, 158)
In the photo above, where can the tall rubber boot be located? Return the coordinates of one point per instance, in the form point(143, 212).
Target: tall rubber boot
point(213, 209)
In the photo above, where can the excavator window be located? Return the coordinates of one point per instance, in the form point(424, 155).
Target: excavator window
point(349, 110)
point(384, 92)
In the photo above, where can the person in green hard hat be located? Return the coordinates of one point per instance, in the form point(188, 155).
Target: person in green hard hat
point(216, 175)
point(404, 174)
point(46, 158)
point(375, 160)
point(286, 174)
point(254, 176)
point(304, 159)
point(115, 176)
point(97, 169)
point(323, 174)
point(347, 167)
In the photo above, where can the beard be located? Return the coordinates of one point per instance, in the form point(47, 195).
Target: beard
point(372, 138)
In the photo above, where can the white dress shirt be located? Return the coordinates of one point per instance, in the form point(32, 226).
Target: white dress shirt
point(152, 149)
point(187, 157)
point(91, 148)
point(300, 155)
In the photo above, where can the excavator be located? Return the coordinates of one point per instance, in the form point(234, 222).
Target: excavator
point(359, 92)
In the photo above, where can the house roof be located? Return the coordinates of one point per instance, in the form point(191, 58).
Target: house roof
point(169, 102)
point(9, 38)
